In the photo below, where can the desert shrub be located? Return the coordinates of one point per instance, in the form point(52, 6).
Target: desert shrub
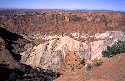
point(97, 63)
point(118, 47)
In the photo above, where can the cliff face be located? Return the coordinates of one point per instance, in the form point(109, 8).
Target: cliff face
point(52, 39)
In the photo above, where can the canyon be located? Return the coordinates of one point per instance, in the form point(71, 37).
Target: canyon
point(57, 40)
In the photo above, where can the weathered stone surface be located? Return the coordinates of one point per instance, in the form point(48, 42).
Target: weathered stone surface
point(52, 39)
point(52, 53)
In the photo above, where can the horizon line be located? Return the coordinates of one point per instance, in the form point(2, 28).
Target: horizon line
point(62, 9)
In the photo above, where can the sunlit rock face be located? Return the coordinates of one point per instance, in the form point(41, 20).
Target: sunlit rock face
point(105, 39)
point(52, 53)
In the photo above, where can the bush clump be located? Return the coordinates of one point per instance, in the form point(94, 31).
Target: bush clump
point(97, 63)
point(118, 47)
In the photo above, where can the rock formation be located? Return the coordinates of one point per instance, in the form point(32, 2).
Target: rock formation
point(59, 22)
point(53, 53)
point(54, 38)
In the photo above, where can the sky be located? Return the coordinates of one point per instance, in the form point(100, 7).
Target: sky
point(65, 4)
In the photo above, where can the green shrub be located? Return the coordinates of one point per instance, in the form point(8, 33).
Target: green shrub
point(118, 47)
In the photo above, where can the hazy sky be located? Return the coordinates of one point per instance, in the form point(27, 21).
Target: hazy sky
point(64, 4)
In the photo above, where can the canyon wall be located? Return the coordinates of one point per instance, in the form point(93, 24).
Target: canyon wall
point(55, 38)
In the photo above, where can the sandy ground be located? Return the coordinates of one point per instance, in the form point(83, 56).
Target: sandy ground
point(112, 69)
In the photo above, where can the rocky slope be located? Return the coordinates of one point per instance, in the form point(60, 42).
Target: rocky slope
point(11, 44)
point(55, 51)
point(59, 22)
point(111, 70)
point(57, 40)
point(6, 57)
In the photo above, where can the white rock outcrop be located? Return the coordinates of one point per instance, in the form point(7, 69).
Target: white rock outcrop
point(51, 54)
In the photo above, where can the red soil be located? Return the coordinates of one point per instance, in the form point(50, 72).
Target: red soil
point(112, 69)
